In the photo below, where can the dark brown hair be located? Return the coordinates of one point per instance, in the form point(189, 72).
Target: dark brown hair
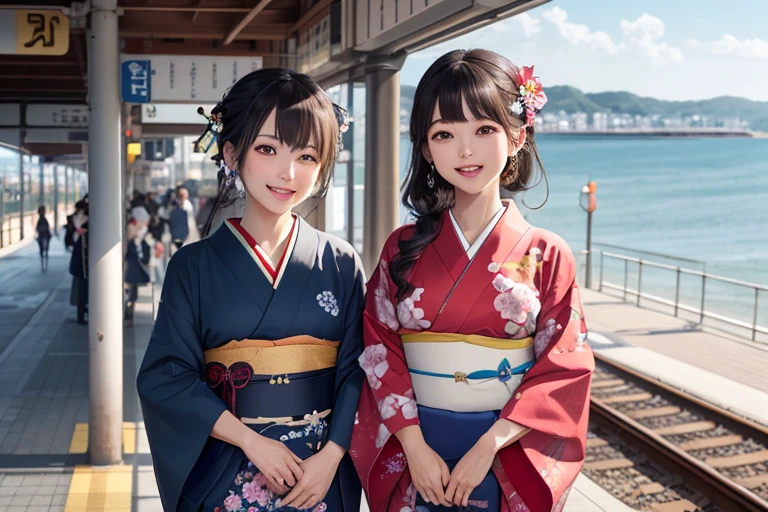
point(487, 82)
point(304, 115)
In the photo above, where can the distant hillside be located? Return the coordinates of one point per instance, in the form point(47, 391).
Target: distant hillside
point(571, 100)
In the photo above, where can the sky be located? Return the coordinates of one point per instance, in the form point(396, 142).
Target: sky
point(665, 49)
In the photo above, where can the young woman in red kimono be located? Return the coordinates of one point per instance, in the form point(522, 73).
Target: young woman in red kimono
point(476, 358)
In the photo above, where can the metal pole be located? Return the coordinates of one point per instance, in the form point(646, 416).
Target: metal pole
point(625, 280)
point(382, 150)
point(105, 278)
point(677, 291)
point(2, 210)
point(589, 250)
point(350, 145)
point(703, 292)
point(66, 191)
point(754, 316)
point(56, 200)
point(639, 280)
point(42, 185)
point(21, 199)
point(602, 262)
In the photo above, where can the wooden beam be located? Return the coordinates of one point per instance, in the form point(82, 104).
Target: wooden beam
point(197, 12)
point(238, 10)
point(39, 77)
point(311, 13)
point(26, 89)
point(245, 21)
point(256, 32)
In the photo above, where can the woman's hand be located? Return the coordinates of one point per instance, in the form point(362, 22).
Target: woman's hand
point(428, 471)
point(279, 465)
point(319, 471)
point(476, 463)
point(470, 471)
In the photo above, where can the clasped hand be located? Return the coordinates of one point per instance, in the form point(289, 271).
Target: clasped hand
point(436, 484)
point(307, 480)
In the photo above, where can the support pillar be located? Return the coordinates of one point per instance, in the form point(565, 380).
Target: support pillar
point(382, 152)
point(105, 273)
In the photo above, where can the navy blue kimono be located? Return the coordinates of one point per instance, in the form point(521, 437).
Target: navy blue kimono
point(217, 293)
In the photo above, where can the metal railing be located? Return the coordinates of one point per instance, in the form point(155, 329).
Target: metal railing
point(677, 304)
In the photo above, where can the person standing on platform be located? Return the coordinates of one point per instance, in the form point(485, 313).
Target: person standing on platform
point(250, 383)
point(475, 354)
point(138, 257)
point(178, 222)
point(186, 205)
point(78, 263)
point(43, 233)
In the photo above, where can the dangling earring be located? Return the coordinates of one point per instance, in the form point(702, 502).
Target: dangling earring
point(508, 176)
point(431, 176)
point(232, 177)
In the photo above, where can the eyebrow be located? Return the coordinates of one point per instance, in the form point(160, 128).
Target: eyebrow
point(274, 137)
point(435, 121)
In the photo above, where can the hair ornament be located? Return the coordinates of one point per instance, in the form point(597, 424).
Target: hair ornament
point(344, 120)
point(211, 133)
point(531, 98)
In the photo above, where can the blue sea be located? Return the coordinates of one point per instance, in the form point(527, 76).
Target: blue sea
point(703, 199)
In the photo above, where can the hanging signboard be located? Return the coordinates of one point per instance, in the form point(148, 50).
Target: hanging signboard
point(184, 78)
point(33, 32)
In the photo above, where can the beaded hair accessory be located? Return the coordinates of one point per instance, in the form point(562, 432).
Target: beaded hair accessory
point(211, 133)
point(531, 98)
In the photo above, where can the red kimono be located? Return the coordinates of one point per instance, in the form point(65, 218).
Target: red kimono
point(521, 284)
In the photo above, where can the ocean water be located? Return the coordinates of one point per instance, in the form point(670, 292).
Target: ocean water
point(699, 199)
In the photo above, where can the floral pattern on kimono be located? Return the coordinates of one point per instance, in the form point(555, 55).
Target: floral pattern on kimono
point(520, 283)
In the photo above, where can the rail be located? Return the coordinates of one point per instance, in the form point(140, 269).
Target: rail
point(677, 304)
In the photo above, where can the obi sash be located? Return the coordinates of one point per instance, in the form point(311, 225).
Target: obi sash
point(465, 373)
point(285, 378)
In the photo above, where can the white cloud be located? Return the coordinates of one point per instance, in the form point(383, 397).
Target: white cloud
point(646, 33)
point(580, 34)
point(730, 46)
point(524, 22)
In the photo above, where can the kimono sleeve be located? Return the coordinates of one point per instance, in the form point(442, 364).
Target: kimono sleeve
point(349, 375)
point(178, 407)
point(555, 392)
point(384, 357)
point(553, 398)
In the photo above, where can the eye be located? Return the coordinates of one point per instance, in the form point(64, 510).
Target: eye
point(267, 150)
point(486, 130)
point(441, 136)
point(308, 158)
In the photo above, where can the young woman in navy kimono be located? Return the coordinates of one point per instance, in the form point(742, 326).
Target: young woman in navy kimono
point(250, 383)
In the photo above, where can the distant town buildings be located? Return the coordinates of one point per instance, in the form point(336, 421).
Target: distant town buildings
point(610, 122)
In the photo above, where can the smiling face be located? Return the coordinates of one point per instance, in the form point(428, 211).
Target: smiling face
point(470, 155)
point(276, 175)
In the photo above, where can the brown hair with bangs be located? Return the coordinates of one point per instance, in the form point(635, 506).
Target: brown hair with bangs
point(487, 81)
point(304, 114)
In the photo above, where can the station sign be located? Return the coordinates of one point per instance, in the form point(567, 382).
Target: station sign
point(33, 32)
point(182, 78)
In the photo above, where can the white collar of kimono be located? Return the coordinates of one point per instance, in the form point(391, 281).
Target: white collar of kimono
point(471, 249)
point(262, 259)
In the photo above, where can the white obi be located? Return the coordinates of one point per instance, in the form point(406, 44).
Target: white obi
point(465, 376)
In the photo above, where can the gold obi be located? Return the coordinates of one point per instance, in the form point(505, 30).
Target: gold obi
point(288, 355)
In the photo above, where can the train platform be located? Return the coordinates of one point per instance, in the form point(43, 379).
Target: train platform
point(714, 366)
point(44, 402)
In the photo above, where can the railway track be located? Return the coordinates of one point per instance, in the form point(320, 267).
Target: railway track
point(658, 448)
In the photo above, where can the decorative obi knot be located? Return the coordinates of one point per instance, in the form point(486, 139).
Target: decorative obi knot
point(503, 373)
point(230, 379)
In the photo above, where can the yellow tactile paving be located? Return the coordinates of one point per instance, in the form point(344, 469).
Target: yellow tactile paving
point(105, 489)
point(102, 489)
